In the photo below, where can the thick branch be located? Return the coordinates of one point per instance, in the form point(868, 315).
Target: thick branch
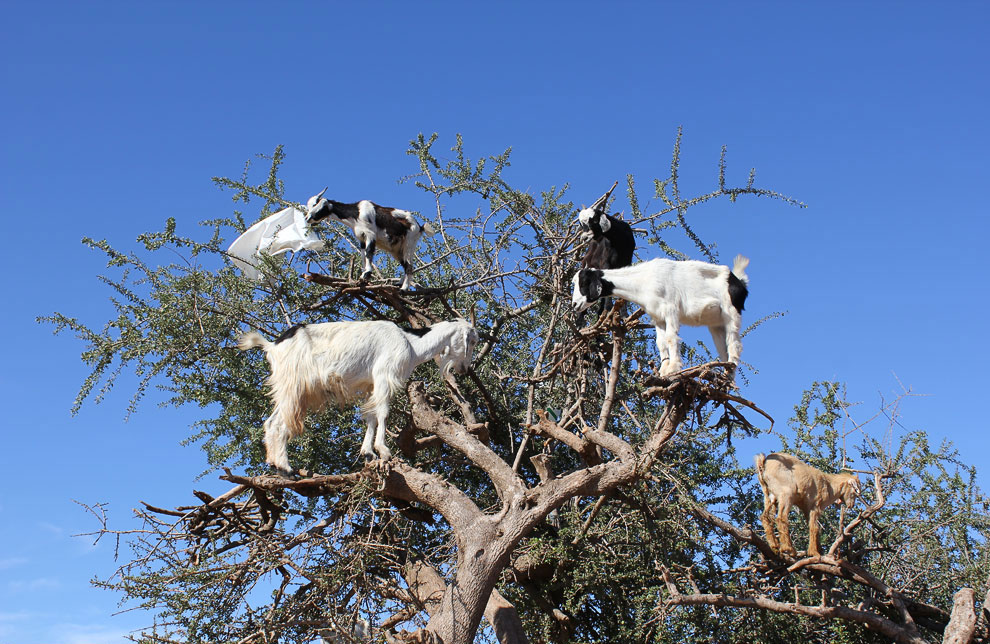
point(585, 448)
point(605, 477)
point(400, 481)
point(962, 622)
point(506, 482)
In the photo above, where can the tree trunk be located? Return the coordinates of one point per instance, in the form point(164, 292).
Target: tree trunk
point(457, 618)
point(432, 590)
point(962, 622)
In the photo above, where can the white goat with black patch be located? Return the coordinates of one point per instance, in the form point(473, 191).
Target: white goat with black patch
point(336, 362)
point(394, 231)
point(673, 293)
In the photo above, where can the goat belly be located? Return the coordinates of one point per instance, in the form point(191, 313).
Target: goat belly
point(707, 313)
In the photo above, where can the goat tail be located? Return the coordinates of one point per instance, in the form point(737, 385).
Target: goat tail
point(760, 460)
point(428, 229)
point(251, 340)
point(739, 265)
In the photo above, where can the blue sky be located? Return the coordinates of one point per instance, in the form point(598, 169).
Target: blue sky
point(116, 115)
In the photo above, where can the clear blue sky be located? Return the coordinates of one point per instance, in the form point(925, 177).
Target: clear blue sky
point(116, 115)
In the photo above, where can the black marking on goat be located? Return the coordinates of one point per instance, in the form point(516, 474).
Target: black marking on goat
point(595, 227)
point(737, 292)
point(607, 287)
point(416, 332)
point(597, 255)
point(338, 209)
point(611, 249)
point(592, 285)
point(288, 333)
point(395, 228)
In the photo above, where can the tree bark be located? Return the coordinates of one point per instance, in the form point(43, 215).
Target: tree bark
point(428, 586)
point(962, 621)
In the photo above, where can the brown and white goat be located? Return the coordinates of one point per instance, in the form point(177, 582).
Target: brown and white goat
point(395, 231)
point(787, 482)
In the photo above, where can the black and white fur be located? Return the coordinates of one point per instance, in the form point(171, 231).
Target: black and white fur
point(672, 292)
point(612, 243)
point(394, 231)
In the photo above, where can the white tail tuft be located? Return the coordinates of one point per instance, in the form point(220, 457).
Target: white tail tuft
point(251, 340)
point(739, 265)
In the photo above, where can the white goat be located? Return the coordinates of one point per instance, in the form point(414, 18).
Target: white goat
point(360, 632)
point(313, 365)
point(391, 229)
point(674, 293)
point(787, 482)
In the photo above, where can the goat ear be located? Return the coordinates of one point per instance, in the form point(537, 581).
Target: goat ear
point(850, 489)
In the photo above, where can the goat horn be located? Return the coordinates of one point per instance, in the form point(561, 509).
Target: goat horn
point(321, 192)
point(600, 203)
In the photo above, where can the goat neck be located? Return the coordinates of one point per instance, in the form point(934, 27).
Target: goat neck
point(429, 345)
point(627, 282)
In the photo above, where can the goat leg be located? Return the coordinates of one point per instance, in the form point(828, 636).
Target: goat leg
point(784, 528)
point(813, 529)
point(766, 519)
point(369, 256)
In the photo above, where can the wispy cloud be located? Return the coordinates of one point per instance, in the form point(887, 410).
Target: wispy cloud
point(38, 583)
point(12, 562)
point(51, 528)
point(88, 634)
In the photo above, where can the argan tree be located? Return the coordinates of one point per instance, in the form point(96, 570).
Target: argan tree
point(560, 491)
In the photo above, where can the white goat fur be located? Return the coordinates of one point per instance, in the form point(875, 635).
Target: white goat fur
point(340, 361)
point(673, 293)
point(789, 482)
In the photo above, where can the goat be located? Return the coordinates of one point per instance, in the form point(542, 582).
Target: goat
point(316, 364)
point(612, 243)
point(359, 632)
point(787, 482)
point(673, 293)
point(393, 230)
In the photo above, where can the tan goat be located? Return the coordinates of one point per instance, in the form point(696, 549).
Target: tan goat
point(787, 482)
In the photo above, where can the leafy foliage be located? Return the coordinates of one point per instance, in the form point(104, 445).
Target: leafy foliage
point(291, 566)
